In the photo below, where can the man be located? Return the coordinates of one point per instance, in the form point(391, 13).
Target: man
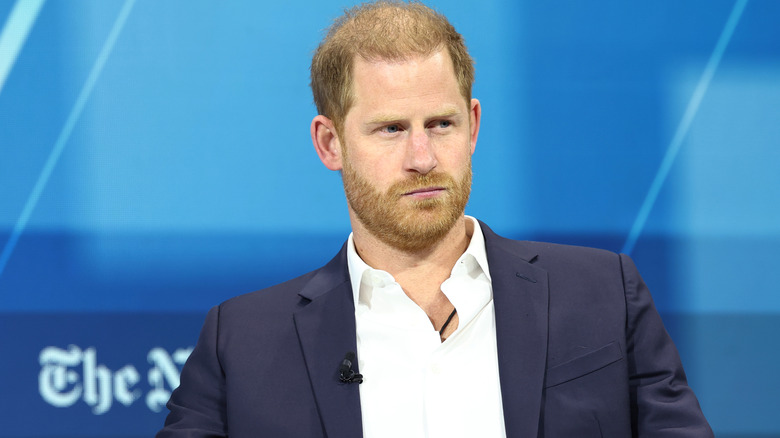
point(427, 323)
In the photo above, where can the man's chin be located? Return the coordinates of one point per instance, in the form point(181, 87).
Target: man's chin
point(420, 229)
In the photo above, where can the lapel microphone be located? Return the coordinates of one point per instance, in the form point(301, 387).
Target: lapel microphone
point(346, 373)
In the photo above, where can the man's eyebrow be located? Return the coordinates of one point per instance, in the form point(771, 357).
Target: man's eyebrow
point(383, 118)
point(447, 113)
point(389, 118)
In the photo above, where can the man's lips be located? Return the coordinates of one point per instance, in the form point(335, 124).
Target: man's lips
point(425, 192)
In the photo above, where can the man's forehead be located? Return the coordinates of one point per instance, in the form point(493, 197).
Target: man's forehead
point(383, 89)
point(404, 74)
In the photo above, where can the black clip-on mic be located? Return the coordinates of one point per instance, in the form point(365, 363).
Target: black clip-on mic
point(346, 373)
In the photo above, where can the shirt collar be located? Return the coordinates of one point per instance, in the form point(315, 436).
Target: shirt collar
point(358, 268)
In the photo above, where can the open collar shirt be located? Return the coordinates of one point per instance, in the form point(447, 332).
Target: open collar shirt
point(414, 384)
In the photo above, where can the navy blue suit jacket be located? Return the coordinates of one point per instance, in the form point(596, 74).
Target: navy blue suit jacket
point(582, 352)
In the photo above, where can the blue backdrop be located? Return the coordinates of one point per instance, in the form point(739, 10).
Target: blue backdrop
point(155, 160)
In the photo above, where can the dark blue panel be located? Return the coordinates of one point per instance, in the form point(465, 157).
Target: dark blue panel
point(90, 374)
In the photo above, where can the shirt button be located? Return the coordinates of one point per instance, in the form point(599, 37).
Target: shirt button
point(435, 369)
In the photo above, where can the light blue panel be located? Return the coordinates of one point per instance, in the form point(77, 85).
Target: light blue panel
point(732, 183)
point(727, 194)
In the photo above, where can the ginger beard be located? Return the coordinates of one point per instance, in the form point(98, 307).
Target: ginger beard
point(407, 224)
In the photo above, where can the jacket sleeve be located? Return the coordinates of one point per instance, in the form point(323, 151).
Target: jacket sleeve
point(197, 407)
point(662, 403)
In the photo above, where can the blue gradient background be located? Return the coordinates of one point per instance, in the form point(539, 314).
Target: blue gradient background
point(188, 176)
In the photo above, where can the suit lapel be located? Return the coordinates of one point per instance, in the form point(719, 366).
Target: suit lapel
point(520, 294)
point(326, 331)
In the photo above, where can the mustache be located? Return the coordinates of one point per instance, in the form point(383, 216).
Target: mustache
point(418, 182)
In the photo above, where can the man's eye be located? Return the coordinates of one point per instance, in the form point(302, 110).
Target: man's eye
point(392, 129)
point(443, 124)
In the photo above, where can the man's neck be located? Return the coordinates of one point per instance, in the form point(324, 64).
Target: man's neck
point(420, 273)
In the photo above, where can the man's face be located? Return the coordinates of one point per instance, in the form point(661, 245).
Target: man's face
point(406, 150)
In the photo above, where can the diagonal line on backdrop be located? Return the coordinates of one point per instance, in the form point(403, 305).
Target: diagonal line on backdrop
point(62, 139)
point(14, 34)
point(684, 126)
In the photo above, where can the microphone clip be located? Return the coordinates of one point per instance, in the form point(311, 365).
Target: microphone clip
point(346, 373)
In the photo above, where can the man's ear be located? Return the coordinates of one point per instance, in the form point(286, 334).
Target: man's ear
point(326, 142)
point(475, 116)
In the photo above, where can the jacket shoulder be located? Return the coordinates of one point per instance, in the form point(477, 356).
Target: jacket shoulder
point(546, 254)
point(291, 294)
point(557, 252)
point(282, 294)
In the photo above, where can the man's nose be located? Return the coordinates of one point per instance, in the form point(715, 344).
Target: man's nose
point(420, 156)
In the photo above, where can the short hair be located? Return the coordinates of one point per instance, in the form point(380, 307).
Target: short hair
point(382, 30)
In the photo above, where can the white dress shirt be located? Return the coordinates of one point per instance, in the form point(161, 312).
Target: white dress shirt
point(414, 384)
